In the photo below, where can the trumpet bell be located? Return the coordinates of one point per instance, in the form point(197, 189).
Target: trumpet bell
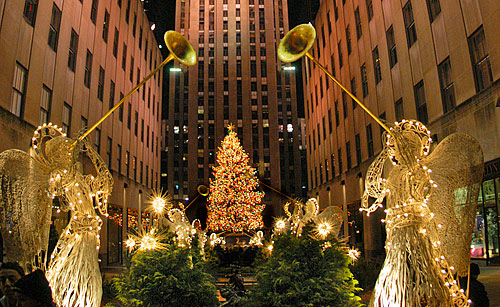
point(296, 43)
point(180, 48)
point(203, 190)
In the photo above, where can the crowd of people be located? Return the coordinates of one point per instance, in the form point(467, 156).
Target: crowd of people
point(21, 290)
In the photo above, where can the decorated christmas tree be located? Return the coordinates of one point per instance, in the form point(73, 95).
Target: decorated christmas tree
point(234, 205)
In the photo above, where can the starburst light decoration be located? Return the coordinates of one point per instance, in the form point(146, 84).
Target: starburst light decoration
point(234, 205)
point(431, 204)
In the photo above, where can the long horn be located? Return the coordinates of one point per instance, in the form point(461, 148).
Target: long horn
point(297, 43)
point(180, 50)
point(203, 190)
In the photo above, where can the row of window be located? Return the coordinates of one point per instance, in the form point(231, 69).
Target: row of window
point(482, 77)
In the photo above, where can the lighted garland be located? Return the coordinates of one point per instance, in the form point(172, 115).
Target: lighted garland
point(233, 203)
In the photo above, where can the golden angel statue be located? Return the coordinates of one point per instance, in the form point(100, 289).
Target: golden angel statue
point(431, 201)
point(29, 183)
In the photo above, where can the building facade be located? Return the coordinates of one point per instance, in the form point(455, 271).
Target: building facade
point(434, 61)
point(68, 62)
point(237, 80)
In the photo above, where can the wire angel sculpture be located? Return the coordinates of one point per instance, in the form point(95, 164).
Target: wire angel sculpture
point(29, 183)
point(431, 202)
point(327, 222)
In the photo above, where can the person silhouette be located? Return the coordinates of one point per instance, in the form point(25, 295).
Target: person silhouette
point(477, 292)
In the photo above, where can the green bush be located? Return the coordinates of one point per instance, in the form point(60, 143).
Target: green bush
point(171, 277)
point(301, 272)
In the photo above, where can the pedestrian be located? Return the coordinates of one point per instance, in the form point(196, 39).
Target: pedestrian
point(10, 273)
point(34, 290)
point(477, 292)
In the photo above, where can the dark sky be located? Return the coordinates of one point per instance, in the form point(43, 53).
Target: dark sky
point(162, 13)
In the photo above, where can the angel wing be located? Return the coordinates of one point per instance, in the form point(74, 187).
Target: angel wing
point(457, 169)
point(333, 216)
point(25, 208)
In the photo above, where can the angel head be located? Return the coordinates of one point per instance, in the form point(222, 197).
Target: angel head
point(408, 142)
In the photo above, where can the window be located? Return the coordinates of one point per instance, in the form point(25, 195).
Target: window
point(119, 159)
point(66, 119)
point(45, 104)
point(369, 140)
point(55, 24)
point(129, 115)
point(398, 109)
point(131, 69)
point(142, 130)
point(364, 80)
point(134, 27)
point(330, 120)
point(93, 11)
point(124, 57)
point(111, 94)
point(337, 113)
point(336, 9)
point(105, 26)
point(134, 167)
point(358, 149)
point(344, 105)
point(359, 30)
point(376, 65)
point(73, 49)
point(88, 69)
point(98, 140)
point(120, 109)
point(420, 103)
point(339, 48)
point(30, 7)
point(100, 84)
point(434, 9)
point(332, 165)
point(480, 60)
point(411, 33)
point(115, 42)
point(348, 39)
point(109, 151)
point(391, 46)
point(18, 91)
point(369, 9)
point(136, 123)
point(348, 155)
point(140, 38)
point(447, 86)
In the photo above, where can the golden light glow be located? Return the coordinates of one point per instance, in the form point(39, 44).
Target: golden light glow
point(353, 254)
point(323, 229)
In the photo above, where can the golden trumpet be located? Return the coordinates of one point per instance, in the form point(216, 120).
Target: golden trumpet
point(203, 190)
point(180, 50)
point(297, 42)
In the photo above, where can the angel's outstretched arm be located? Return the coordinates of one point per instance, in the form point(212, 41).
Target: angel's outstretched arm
point(375, 185)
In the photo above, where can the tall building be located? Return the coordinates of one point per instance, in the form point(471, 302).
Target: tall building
point(237, 80)
point(434, 61)
point(68, 62)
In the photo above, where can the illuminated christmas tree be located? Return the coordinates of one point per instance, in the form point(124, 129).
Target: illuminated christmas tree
point(234, 205)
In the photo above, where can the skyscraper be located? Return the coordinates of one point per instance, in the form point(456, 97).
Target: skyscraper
point(238, 80)
point(434, 61)
point(69, 62)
